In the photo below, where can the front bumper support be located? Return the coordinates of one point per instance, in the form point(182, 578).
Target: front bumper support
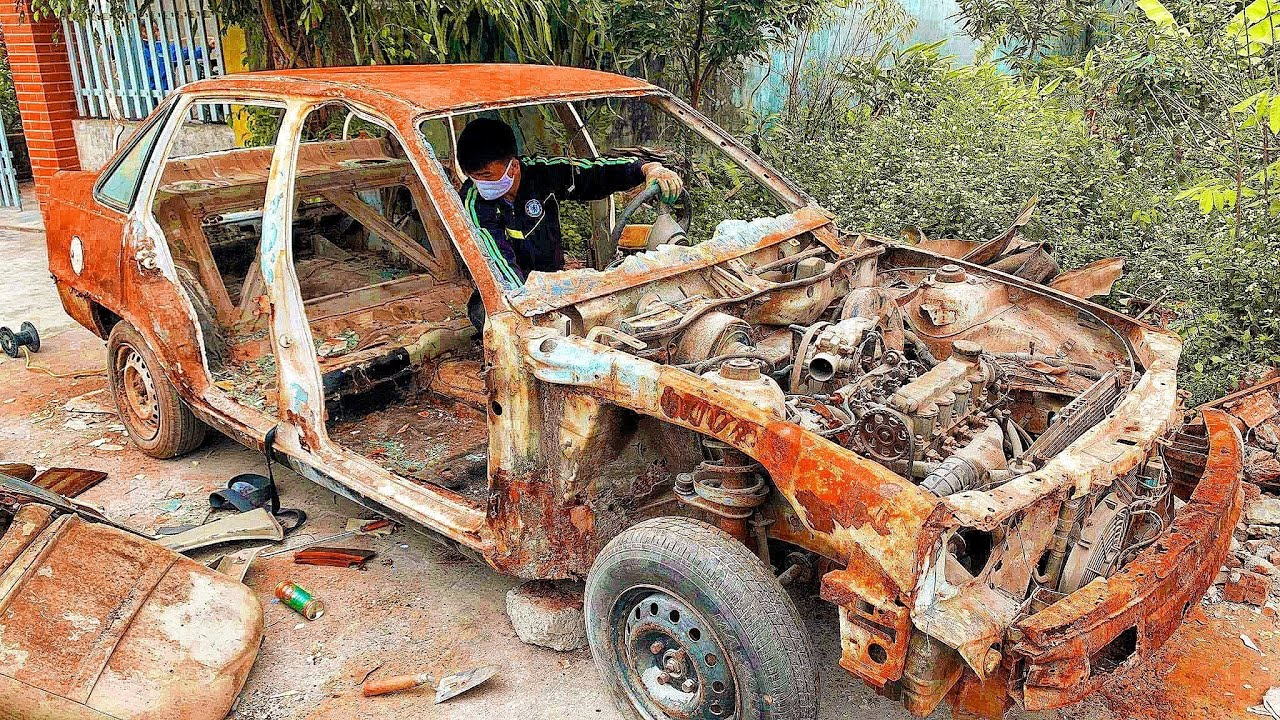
point(1066, 651)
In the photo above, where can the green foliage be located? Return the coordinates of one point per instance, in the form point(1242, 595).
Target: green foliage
point(8, 97)
point(1030, 32)
point(295, 33)
point(692, 43)
point(956, 151)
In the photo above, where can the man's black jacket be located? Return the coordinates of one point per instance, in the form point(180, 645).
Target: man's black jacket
point(524, 235)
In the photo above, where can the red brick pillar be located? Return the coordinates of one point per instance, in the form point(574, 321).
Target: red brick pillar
point(46, 96)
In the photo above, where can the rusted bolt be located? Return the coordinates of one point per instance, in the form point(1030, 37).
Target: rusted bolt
point(688, 685)
point(657, 647)
point(670, 664)
point(663, 678)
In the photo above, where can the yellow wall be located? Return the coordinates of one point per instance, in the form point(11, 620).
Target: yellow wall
point(234, 61)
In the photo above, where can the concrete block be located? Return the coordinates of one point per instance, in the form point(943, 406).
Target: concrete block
point(546, 614)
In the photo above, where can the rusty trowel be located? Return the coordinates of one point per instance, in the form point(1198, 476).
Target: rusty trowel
point(448, 687)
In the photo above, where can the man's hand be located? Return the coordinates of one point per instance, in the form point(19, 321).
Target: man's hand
point(667, 181)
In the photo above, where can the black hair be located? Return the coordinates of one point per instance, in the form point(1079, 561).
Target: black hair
point(482, 141)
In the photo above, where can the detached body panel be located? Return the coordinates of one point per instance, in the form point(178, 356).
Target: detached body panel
point(97, 623)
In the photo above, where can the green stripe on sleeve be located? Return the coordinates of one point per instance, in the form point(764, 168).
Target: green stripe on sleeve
point(490, 245)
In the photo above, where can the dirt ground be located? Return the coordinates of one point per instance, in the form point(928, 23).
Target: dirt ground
point(419, 607)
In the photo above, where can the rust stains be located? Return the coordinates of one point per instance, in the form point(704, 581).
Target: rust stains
point(1071, 647)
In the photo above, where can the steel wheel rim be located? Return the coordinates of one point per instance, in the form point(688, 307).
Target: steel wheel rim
point(673, 665)
point(136, 393)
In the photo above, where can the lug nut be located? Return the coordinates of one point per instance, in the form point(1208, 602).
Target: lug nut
point(688, 685)
point(657, 647)
point(663, 678)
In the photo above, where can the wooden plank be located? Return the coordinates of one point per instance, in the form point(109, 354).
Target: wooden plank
point(352, 205)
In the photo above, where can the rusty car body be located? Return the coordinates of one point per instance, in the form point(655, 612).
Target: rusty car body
point(970, 460)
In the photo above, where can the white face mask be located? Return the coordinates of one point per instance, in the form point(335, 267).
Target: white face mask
point(494, 189)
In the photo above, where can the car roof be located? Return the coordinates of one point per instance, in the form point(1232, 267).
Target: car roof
point(435, 89)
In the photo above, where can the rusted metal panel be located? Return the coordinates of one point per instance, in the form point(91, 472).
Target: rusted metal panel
point(134, 631)
point(1060, 647)
point(439, 88)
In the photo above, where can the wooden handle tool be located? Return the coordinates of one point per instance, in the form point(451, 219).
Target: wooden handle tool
point(395, 684)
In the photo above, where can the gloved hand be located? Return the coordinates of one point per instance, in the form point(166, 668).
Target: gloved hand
point(666, 180)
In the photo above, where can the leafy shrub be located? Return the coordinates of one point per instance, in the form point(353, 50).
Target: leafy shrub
point(961, 153)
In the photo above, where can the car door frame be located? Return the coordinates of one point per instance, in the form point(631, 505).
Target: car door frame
point(302, 435)
point(157, 305)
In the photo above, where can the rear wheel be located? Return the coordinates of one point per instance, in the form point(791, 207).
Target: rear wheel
point(684, 622)
point(157, 420)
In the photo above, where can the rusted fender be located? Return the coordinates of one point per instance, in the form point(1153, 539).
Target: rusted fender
point(1151, 595)
point(871, 514)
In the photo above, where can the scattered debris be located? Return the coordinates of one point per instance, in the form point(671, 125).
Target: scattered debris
point(22, 471)
point(1270, 706)
point(1249, 643)
point(300, 600)
point(251, 383)
point(1257, 410)
point(237, 564)
point(68, 482)
point(545, 614)
point(376, 526)
point(257, 524)
point(91, 403)
point(448, 687)
point(339, 344)
point(334, 557)
point(370, 527)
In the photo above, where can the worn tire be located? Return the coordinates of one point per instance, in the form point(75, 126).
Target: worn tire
point(677, 562)
point(170, 429)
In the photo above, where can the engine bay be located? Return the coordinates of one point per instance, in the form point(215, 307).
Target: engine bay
point(955, 378)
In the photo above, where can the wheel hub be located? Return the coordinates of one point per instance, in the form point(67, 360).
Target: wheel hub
point(138, 393)
point(675, 665)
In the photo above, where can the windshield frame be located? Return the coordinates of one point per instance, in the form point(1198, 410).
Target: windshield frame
point(800, 209)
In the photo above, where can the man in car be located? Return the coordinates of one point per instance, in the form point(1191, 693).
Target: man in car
point(514, 202)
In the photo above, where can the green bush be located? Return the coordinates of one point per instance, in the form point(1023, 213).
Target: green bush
point(968, 146)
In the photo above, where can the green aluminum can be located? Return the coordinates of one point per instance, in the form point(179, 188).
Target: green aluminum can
point(300, 600)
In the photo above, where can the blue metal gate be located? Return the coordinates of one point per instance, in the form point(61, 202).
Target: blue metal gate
point(123, 66)
point(9, 195)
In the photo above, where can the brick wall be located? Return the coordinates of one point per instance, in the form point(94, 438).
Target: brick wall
point(46, 96)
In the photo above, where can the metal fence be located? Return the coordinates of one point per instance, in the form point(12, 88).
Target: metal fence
point(124, 63)
point(9, 195)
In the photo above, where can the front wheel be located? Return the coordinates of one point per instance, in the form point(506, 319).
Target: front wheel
point(157, 420)
point(684, 622)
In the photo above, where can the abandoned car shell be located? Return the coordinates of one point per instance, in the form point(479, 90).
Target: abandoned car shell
point(96, 623)
point(970, 460)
